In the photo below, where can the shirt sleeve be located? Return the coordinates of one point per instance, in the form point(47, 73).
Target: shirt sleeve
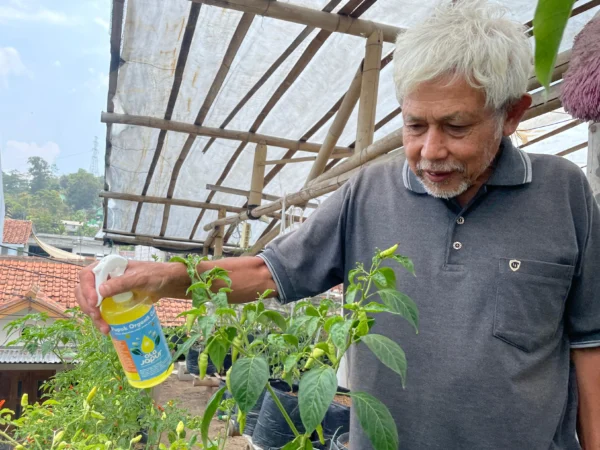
point(310, 260)
point(583, 307)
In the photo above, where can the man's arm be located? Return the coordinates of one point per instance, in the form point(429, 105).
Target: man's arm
point(587, 366)
point(249, 275)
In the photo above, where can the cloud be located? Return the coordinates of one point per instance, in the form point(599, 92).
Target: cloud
point(99, 80)
point(15, 154)
point(56, 63)
point(44, 15)
point(11, 65)
point(100, 21)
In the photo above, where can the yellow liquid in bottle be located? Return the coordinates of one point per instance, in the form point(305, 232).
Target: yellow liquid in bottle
point(120, 313)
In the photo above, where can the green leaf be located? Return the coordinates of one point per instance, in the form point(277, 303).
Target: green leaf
point(200, 285)
point(217, 351)
point(339, 333)
point(376, 421)
point(195, 311)
point(276, 318)
point(311, 311)
point(209, 413)
point(136, 351)
point(549, 24)
point(311, 325)
point(157, 340)
point(374, 307)
point(351, 293)
point(206, 325)
point(47, 347)
point(388, 352)
point(401, 304)
point(405, 262)
point(315, 393)
point(186, 345)
point(248, 379)
point(384, 278)
point(225, 311)
point(290, 362)
point(220, 300)
point(329, 322)
point(352, 274)
point(296, 444)
point(199, 297)
point(291, 339)
point(178, 259)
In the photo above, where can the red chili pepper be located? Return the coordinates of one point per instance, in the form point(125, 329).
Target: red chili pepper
point(2, 403)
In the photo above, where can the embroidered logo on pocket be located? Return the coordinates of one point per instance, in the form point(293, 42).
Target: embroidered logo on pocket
point(514, 265)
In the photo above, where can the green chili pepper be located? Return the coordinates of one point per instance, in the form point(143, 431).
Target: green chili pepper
point(228, 379)
point(24, 400)
point(241, 419)
point(316, 353)
point(202, 364)
point(389, 252)
point(235, 345)
point(92, 394)
point(189, 322)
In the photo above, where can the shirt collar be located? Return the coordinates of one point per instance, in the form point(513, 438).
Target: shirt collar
point(513, 168)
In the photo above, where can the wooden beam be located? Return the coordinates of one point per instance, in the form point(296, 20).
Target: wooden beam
point(572, 149)
point(261, 242)
point(542, 108)
point(244, 136)
point(274, 162)
point(302, 196)
point(554, 132)
point(384, 145)
point(258, 176)
point(151, 236)
point(219, 236)
point(560, 67)
point(234, 45)
point(243, 193)
point(168, 201)
point(113, 75)
point(593, 159)
point(337, 126)
point(177, 79)
point(307, 16)
point(367, 107)
point(160, 243)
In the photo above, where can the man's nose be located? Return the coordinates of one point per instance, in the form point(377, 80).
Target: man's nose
point(434, 146)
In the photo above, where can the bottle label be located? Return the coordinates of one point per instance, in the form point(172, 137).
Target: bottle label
point(141, 346)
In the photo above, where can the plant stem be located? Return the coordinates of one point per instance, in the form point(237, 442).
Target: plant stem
point(6, 436)
point(283, 411)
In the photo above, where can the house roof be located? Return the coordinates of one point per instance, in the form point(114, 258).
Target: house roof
point(50, 285)
point(16, 231)
point(18, 355)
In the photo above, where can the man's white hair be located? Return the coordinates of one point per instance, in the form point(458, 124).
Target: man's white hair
point(470, 39)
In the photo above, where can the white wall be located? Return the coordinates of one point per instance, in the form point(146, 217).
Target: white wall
point(12, 251)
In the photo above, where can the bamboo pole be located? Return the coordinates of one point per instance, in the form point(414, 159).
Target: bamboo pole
point(308, 193)
point(274, 162)
point(244, 136)
point(169, 201)
point(156, 237)
point(554, 132)
point(261, 242)
point(258, 176)
point(367, 107)
point(337, 127)
point(384, 145)
point(243, 193)
point(219, 235)
point(593, 159)
point(560, 67)
point(573, 149)
point(157, 243)
point(307, 16)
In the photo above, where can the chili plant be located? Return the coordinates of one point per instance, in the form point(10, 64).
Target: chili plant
point(310, 347)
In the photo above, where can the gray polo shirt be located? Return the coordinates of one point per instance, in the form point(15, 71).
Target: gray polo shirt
point(490, 367)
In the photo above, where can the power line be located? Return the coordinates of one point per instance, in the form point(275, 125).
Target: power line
point(38, 273)
point(94, 162)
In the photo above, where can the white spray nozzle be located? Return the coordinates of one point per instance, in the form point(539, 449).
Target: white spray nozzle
point(113, 266)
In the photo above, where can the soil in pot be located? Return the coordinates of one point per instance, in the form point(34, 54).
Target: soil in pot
point(271, 430)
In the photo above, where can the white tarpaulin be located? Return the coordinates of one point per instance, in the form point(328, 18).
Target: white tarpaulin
point(152, 36)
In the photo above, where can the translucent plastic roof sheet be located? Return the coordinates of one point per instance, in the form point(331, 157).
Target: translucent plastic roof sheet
point(151, 42)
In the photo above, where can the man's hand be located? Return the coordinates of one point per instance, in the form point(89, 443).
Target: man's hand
point(587, 367)
point(155, 279)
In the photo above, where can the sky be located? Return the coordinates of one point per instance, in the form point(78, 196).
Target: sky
point(54, 60)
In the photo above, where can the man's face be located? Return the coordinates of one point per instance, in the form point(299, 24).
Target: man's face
point(450, 137)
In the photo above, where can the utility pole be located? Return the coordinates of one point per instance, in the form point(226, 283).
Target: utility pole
point(94, 162)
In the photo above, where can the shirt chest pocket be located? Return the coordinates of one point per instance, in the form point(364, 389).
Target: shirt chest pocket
point(530, 301)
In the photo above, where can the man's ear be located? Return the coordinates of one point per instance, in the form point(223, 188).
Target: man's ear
point(514, 114)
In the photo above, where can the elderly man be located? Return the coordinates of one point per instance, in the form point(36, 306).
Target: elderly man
point(505, 246)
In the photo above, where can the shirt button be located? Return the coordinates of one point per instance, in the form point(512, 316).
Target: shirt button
point(460, 220)
point(457, 245)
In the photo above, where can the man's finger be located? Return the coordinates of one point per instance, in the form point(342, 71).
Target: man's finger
point(102, 325)
point(87, 281)
point(118, 285)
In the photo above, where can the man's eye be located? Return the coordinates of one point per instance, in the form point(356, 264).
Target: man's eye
point(457, 128)
point(415, 127)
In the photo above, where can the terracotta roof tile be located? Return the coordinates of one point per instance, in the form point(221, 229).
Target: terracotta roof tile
point(16, 231)
point(54, 283)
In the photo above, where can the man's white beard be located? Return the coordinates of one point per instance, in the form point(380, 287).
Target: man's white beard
point(437, 189)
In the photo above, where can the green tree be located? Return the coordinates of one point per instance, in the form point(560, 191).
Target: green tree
point(15, 182)
point(81, 190)
point(46, 210)
point(42, 175)
point(17, 205)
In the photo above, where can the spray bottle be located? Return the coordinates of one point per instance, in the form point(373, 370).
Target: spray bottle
point(134, 328)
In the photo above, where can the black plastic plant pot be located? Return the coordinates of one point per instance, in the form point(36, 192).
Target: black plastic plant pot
point(271, 430)
point(337, 418)
point(252, 416)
